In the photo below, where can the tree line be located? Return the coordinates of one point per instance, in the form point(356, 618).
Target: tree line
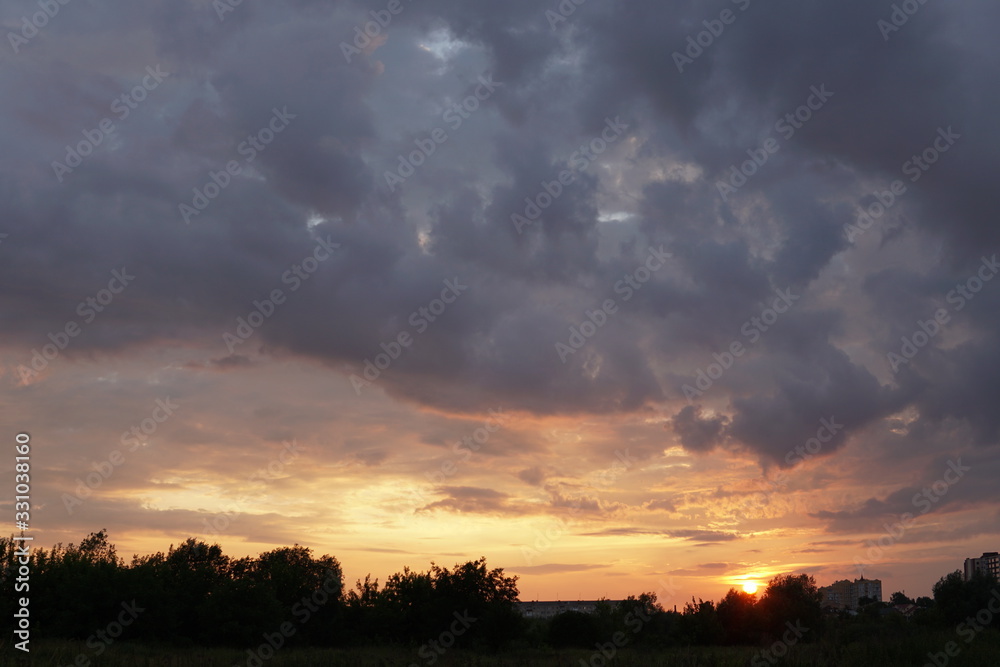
point(196, 595)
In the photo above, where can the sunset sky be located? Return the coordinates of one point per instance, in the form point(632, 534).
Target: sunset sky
point(582, 287)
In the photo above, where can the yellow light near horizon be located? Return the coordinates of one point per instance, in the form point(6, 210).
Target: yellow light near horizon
point(750, 587)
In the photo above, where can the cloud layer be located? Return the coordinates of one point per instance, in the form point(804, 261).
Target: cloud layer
point(669, 191)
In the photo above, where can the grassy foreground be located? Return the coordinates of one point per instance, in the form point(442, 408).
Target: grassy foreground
point(883, 652)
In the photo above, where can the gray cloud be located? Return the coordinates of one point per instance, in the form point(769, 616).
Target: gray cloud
point(323, 176)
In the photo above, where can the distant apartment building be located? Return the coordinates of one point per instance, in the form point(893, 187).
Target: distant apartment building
point(988, 563)
point(548, 609)
point(836, 595)
point(845, 594)
point(868, 588)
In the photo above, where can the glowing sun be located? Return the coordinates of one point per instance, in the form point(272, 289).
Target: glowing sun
point(750, 587)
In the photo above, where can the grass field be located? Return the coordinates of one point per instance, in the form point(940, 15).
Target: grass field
point(872, 651)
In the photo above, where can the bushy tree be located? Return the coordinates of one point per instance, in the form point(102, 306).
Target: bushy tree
point(959, 600)
point(239, 612)
point(574, 629)
point(293, 574)
point(644, 605)
point(72, 585)
point(415, 607)
point(898, 598)
point(192, 572)
point(409, 607)
point(790, 599)
point(700, 623)
point(738, 617)
point(473, 590)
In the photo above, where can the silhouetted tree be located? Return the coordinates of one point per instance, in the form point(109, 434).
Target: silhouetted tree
point(415, 607)
point(641, 618)
point(645, 605)
point(487, 595)
point(790, 599)
point(196, 594)
point(737, 615)
point(574, 629)
point(238, 612)
point(409, 608)
point(898, 598)
point(700, 623)
point(192, 572)
point(959, 600)
point(72, 585)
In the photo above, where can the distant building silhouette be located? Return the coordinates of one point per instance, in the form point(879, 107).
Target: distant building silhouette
point(845, 594)
point(988, 563)
point(548, 608)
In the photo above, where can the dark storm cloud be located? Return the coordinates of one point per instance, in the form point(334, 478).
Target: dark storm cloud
point(661, 505)
point(451, 220)
point(696, 433)
point(947, 485)
point(691, 535)
point(703, 535)
point(468, 499)
point(533, 476)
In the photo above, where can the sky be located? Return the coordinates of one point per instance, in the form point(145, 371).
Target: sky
point(624, 296)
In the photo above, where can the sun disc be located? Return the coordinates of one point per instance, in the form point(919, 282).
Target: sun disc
point(750, 587)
